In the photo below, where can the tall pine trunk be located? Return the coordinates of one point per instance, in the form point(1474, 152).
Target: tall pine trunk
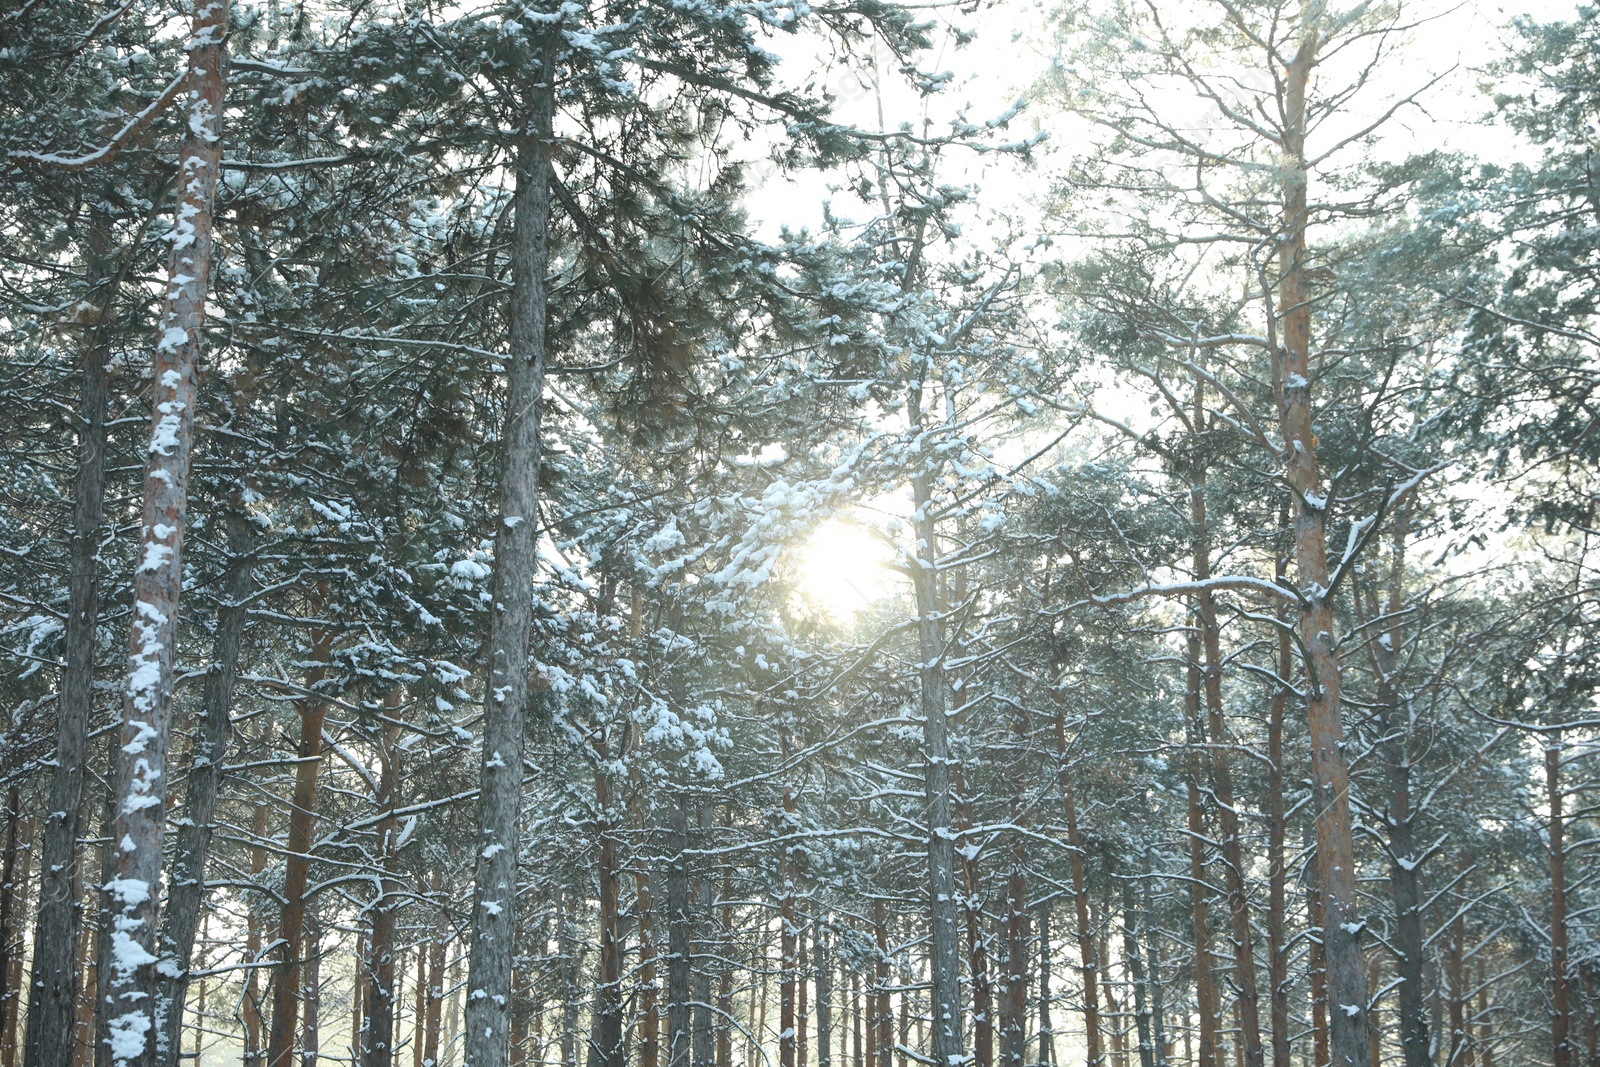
point(493, 918)
point(1080, 900)
point(1207, 1003)
point(131, 992)
point(53, 978)
point(1330, 773)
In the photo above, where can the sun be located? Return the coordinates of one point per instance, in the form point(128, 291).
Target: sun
point(843, 567)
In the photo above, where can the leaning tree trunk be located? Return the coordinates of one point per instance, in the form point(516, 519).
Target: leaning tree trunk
point(493, 919)
point(131, 992)
point(1330, 773)
point(54, 974)
point(187, 895)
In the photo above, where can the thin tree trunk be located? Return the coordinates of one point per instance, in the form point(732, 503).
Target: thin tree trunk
point(1207, 1003)
point(649, 984)
point(945, 963)
point(297, 864)
point(977, 939)
point(1321, 1048)
point(1013, 1044)
point(801, 1007)
point(311, 993)
point(606, 1027)
point(878, 1019)
point(1560, 979)
point(493, 920)
point(436, 983)
point(419, 1005)
point(678, 976)
point(823, 960)
point(1047, 1029)
point(53, 974)
point(1335, 856)
point(859, 1058)
point(1080, 900)
point(1460, 1054)
point(1277, 873)
point(377, 1045)
point(186, 898)
point(788, 962)
point(1485, 1037)
point(1247, 1000)
point(250, 1006)
point(1132, 923)
point(703, 1051)
point(19, 861)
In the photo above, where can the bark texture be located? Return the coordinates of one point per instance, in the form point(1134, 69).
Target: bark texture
point(488, 1011)
point(131, 994)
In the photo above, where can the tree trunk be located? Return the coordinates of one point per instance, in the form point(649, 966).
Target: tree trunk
point(377, 1046)
point(53, 974)
point(1321, 1050)
point(186, 898)
point(649, 984)
point(606, 1048)
point(788, 963)
point(311, 993)
point(1277, 873)
point(1047, 1030)
point(1560, 989)
point(250, 1005)
point(436, 984)
point(14, 889)
point(131, 993)
point(944, 949)
point(678, 970)
point(977, 939)
point(1207, 1003)
point(1014, 990)
point(506, 690)
point(1335, 856)
point(1080, 900)
point(297, 864)
point(878, 1019)
point(823, 960)
point(1247, 1000)
point(703, 1050)
point(1132, 922)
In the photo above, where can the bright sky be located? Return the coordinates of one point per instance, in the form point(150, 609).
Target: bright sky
point(842, 566)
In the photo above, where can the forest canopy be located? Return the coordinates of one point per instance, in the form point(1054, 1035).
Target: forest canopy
point(751, 533)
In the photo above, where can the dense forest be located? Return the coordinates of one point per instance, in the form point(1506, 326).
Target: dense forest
point(755, 533)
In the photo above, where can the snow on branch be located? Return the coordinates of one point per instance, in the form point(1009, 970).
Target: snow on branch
point(106, 151)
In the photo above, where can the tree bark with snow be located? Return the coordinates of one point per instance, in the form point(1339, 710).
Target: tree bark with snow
point(131, 987)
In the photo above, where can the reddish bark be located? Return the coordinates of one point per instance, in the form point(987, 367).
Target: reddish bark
point(297, 864)
point(131, 984)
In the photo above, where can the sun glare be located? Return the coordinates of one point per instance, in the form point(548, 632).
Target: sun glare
point(843, 568)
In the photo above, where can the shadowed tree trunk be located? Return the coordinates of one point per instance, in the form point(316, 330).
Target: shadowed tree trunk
point(377, 1045)
point(493, 919)
point(1080, 899)
point(186, 898)
point(53, 977)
